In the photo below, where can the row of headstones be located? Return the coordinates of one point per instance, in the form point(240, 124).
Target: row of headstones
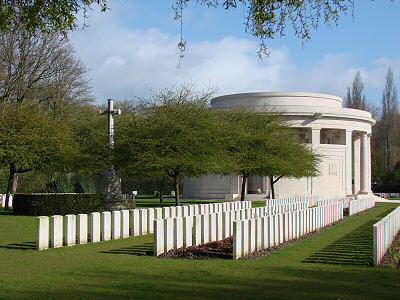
point(388, 195)
point(359, 205)
point(3, 200)
point(261, 233)
point(331, 201)
point(202, 209)
point(385, 231)
point(58, 231)
point(310, 199)
point(176, 232)
point(280, 208)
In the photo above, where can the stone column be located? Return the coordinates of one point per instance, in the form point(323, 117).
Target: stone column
point(315, 143)
point(349, 164)
point(370, 162)
point(356, 165)
point(364, 164)
point(315, 137)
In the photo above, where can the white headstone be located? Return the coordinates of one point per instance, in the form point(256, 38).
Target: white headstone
point(165, 212)
point(258, 234)
point(168, 234)
point(264, 233)
point(116, 225)
point(70, 230)
point(197, 229)
point(205, 229)
point(237, 239)
point(219, 227)
point(178, 233)
point(134, 220)
point(125, 223)
point(215, 207)
point(178, 211)
point(191, 210)
point(82, 228)
point(187, 231)
point(10, 200)
point(43, 235)
point(196, 210)
point(280, 224)
point(150, 220)
point(213, 227)
point(57, 231)
point(105, 226)
point(245, 237)
point(226, 225)
point(158, 213)
point(159, 234)
point(185, 211)
point(142, 221)
point(271, 226)
point(172, 212)
point(95, 227)
point(252, 235)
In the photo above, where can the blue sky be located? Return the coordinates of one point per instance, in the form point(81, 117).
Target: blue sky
point(131, 49)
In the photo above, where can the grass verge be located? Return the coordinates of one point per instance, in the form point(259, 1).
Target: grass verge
point(125, 269)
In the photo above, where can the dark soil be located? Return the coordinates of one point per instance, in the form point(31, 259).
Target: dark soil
point(224, 249)
point(220, 249)
point(392, 256)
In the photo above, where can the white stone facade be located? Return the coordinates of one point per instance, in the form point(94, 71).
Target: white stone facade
point(341, 135)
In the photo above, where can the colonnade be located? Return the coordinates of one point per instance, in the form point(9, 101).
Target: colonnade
point(357, 160)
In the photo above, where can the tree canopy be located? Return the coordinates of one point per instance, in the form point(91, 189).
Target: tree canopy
point(31, 139)
point(45, 15)
point(264, 19)
point(43, 87)
point(180, 136)
point(259, 144)
point(172, 134)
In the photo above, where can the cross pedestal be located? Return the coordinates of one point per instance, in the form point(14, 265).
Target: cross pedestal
point(110, 185)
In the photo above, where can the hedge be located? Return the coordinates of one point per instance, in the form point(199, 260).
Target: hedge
point(56, 204)
point(386, 188)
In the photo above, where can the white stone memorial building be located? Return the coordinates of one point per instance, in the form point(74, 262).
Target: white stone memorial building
point(341, 135)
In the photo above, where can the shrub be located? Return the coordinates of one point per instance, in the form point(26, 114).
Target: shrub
point(56, 204)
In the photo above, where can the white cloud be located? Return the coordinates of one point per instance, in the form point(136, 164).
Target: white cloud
point(124, 62)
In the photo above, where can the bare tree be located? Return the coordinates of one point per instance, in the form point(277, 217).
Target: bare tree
point(355, 95)
point(38, 67)
point(390, 108)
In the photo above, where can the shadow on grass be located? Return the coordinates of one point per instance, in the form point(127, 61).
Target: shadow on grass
point(180, 281)
point(145, 249)
point(19, 246)
point(355, 248)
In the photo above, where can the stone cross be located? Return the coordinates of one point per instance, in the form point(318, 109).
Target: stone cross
point(110, 113)
point(110, 186)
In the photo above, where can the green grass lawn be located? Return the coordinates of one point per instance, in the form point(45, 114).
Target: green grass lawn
point(331, 265)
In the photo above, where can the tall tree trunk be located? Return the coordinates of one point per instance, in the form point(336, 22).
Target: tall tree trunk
point(272, 188)
point(243, 191)
point(272, 185)
point(176, 181)
point(12, 183)
point(161, 193)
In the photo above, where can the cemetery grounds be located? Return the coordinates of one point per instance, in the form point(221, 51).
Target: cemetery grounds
point(334, 264)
